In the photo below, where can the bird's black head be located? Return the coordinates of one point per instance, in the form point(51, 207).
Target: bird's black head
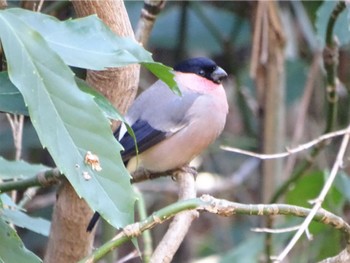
point(204, 67)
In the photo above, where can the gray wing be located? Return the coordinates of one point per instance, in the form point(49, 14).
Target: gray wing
point(155, 115)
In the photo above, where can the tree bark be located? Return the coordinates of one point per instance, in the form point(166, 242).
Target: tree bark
point(267, 68)
point(69, 241)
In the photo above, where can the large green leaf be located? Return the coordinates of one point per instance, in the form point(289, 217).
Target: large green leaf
point(13, 103)
point(19, 218)
point(84, 42)
point(12, 248)
point(11, 99)
point(68, 121)
point(88, 43)
point(105, 105)
point(19, 169)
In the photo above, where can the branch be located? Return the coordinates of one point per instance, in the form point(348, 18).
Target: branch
point(220, 207)
point(182, 221)
point(289, 152)
point(149, 12)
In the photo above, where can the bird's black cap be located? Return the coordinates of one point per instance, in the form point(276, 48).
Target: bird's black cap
point(204, 67)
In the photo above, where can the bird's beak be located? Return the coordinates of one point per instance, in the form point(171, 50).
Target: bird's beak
point(218, 75)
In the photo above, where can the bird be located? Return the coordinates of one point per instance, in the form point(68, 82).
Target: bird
point(171, 129)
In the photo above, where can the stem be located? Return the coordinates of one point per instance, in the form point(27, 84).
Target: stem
point(46, 178)
point(146, 235)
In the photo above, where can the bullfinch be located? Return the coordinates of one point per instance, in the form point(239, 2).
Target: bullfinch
point(170, 129)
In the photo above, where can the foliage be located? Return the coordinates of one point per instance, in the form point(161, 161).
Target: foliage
point(69, 121)
point(71, 118)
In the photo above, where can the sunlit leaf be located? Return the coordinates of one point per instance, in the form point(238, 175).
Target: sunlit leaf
point(68, 121)
point(88, 43)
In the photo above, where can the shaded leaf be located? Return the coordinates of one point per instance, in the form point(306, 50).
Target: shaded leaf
point(12, 248)
point(11, 99)
point(19, 169)
point(342, 183)
point(19, 218)
point(68, 121)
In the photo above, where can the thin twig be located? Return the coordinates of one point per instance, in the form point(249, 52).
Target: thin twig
point(282, 230)
point(149, 12)
point(318, 201)
point(276, 231)
point(40, 5)
point(295, 150)
point(16, 123)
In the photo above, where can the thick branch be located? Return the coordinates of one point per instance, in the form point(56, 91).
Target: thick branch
point(182, 221)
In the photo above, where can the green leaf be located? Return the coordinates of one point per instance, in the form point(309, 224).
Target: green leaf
point(68, 121)
point(88, 43)
point(11, 99)
point(308, 188)
point(85, 42)
point(21, 219)
point(342, 183)
point(164, 73)
point(341, 27)
point(19, 169)
point(12, 248)
point(106, 106)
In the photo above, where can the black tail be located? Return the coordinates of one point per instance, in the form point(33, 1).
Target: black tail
point(93, 222)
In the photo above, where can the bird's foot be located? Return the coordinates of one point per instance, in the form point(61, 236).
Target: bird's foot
point(184, 169)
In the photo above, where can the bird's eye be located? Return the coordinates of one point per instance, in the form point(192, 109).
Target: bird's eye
point(214, 68)
point(201, 72)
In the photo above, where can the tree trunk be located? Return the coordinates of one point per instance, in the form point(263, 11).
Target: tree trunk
point(69, 241)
